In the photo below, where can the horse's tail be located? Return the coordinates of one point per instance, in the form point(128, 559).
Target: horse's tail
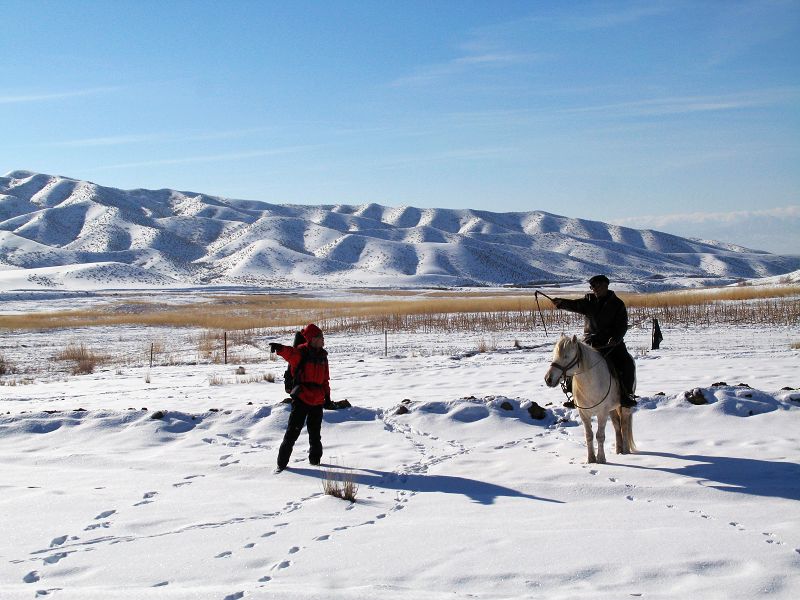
point(627, 424)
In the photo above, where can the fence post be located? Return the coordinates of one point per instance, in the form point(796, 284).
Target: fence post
point(385, 343)
point(152, 346)
point(225, 340)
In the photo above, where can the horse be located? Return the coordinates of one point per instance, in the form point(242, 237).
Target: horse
point(596, 393)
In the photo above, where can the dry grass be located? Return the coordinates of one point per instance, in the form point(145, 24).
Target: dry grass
point(487, 346)
point(244, 317)
point(84, 359)
point(795, 345)
point(340, 483)
point(5, 366)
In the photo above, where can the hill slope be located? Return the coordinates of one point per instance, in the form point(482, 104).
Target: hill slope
point(157, 237)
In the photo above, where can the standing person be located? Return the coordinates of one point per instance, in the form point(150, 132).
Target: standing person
point(605, 324)
point(309, 367)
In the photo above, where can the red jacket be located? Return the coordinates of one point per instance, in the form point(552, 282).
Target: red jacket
point(314, 377)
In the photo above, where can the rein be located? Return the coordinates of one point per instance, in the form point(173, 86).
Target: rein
point(572, 363)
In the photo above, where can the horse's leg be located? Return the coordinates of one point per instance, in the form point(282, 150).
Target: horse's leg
point(601, 437)
point(587, 430)
point(627, 431)
point(616, 421)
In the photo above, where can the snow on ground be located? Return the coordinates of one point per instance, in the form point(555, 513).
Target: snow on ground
point(457, 498)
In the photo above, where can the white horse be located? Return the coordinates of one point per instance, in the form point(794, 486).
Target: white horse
point(596, 393)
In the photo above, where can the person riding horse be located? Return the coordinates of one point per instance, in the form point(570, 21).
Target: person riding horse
point(605, 324)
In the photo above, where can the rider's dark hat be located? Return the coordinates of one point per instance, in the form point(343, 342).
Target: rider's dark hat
point(598, 279)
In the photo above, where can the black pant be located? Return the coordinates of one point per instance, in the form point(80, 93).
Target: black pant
point(622, 361)
point(311, 417)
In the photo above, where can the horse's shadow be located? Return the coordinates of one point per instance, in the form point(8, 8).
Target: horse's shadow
point(774, 479)
point(478, 491)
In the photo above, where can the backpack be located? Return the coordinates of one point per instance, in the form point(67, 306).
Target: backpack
point(290, 382)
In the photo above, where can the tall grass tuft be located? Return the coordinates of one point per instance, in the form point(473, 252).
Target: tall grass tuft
point(85, 359)
point(340, 484)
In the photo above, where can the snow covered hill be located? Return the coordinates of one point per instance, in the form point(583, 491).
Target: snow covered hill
point(147, 238)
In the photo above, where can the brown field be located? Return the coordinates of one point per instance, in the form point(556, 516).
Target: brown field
point(419, 311)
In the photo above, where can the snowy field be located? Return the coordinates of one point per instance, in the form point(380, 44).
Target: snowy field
point(458, 498)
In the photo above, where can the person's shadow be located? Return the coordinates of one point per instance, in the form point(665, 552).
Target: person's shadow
point(479, 491)
point(775, 479)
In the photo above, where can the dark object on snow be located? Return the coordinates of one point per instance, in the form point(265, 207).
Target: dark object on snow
point(657, 337)
point(660, 394)
point(536, 411)
point(719, 384)
point(743, 385)
point(695, 397)
point(240, 370)
point(506, 405)
point(213, 410)
point(786, 388)
point(338, 405)
point(401, 410)
point(159, 414)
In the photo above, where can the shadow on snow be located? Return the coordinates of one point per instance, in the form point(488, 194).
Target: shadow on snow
point(479, 491)
point(775, 479)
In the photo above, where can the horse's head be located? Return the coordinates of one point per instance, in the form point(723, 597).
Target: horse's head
point(566, 356)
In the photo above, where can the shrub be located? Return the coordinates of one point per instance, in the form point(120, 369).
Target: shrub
point(84, 358)
point(340, 484)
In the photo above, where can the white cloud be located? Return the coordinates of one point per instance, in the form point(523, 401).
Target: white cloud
point(24, 98)
point(431, 73)
point(772, 229)
point(208, 158)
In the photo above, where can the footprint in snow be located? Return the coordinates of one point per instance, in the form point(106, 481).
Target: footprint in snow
point(250, 545)
point(225, 554)
point(161, 584)
point(322, 538)
point(234, 596)
point(31, 577)
point(104, 525)
point(265, 579)
point(59, 540)
point(268, 534)
point(284, 564)
point(294, 550)
point(104, 514)
point(53, 559)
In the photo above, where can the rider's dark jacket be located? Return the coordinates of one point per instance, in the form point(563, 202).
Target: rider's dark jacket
point(604, 318)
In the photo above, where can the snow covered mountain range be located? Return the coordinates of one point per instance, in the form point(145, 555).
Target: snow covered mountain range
point(61, 232)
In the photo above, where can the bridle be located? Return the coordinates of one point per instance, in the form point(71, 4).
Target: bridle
point(576, 361)
point(572, 363)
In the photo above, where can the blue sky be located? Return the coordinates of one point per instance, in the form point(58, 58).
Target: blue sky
point(636, 112)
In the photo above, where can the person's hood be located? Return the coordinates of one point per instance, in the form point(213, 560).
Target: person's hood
point(311, 331)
